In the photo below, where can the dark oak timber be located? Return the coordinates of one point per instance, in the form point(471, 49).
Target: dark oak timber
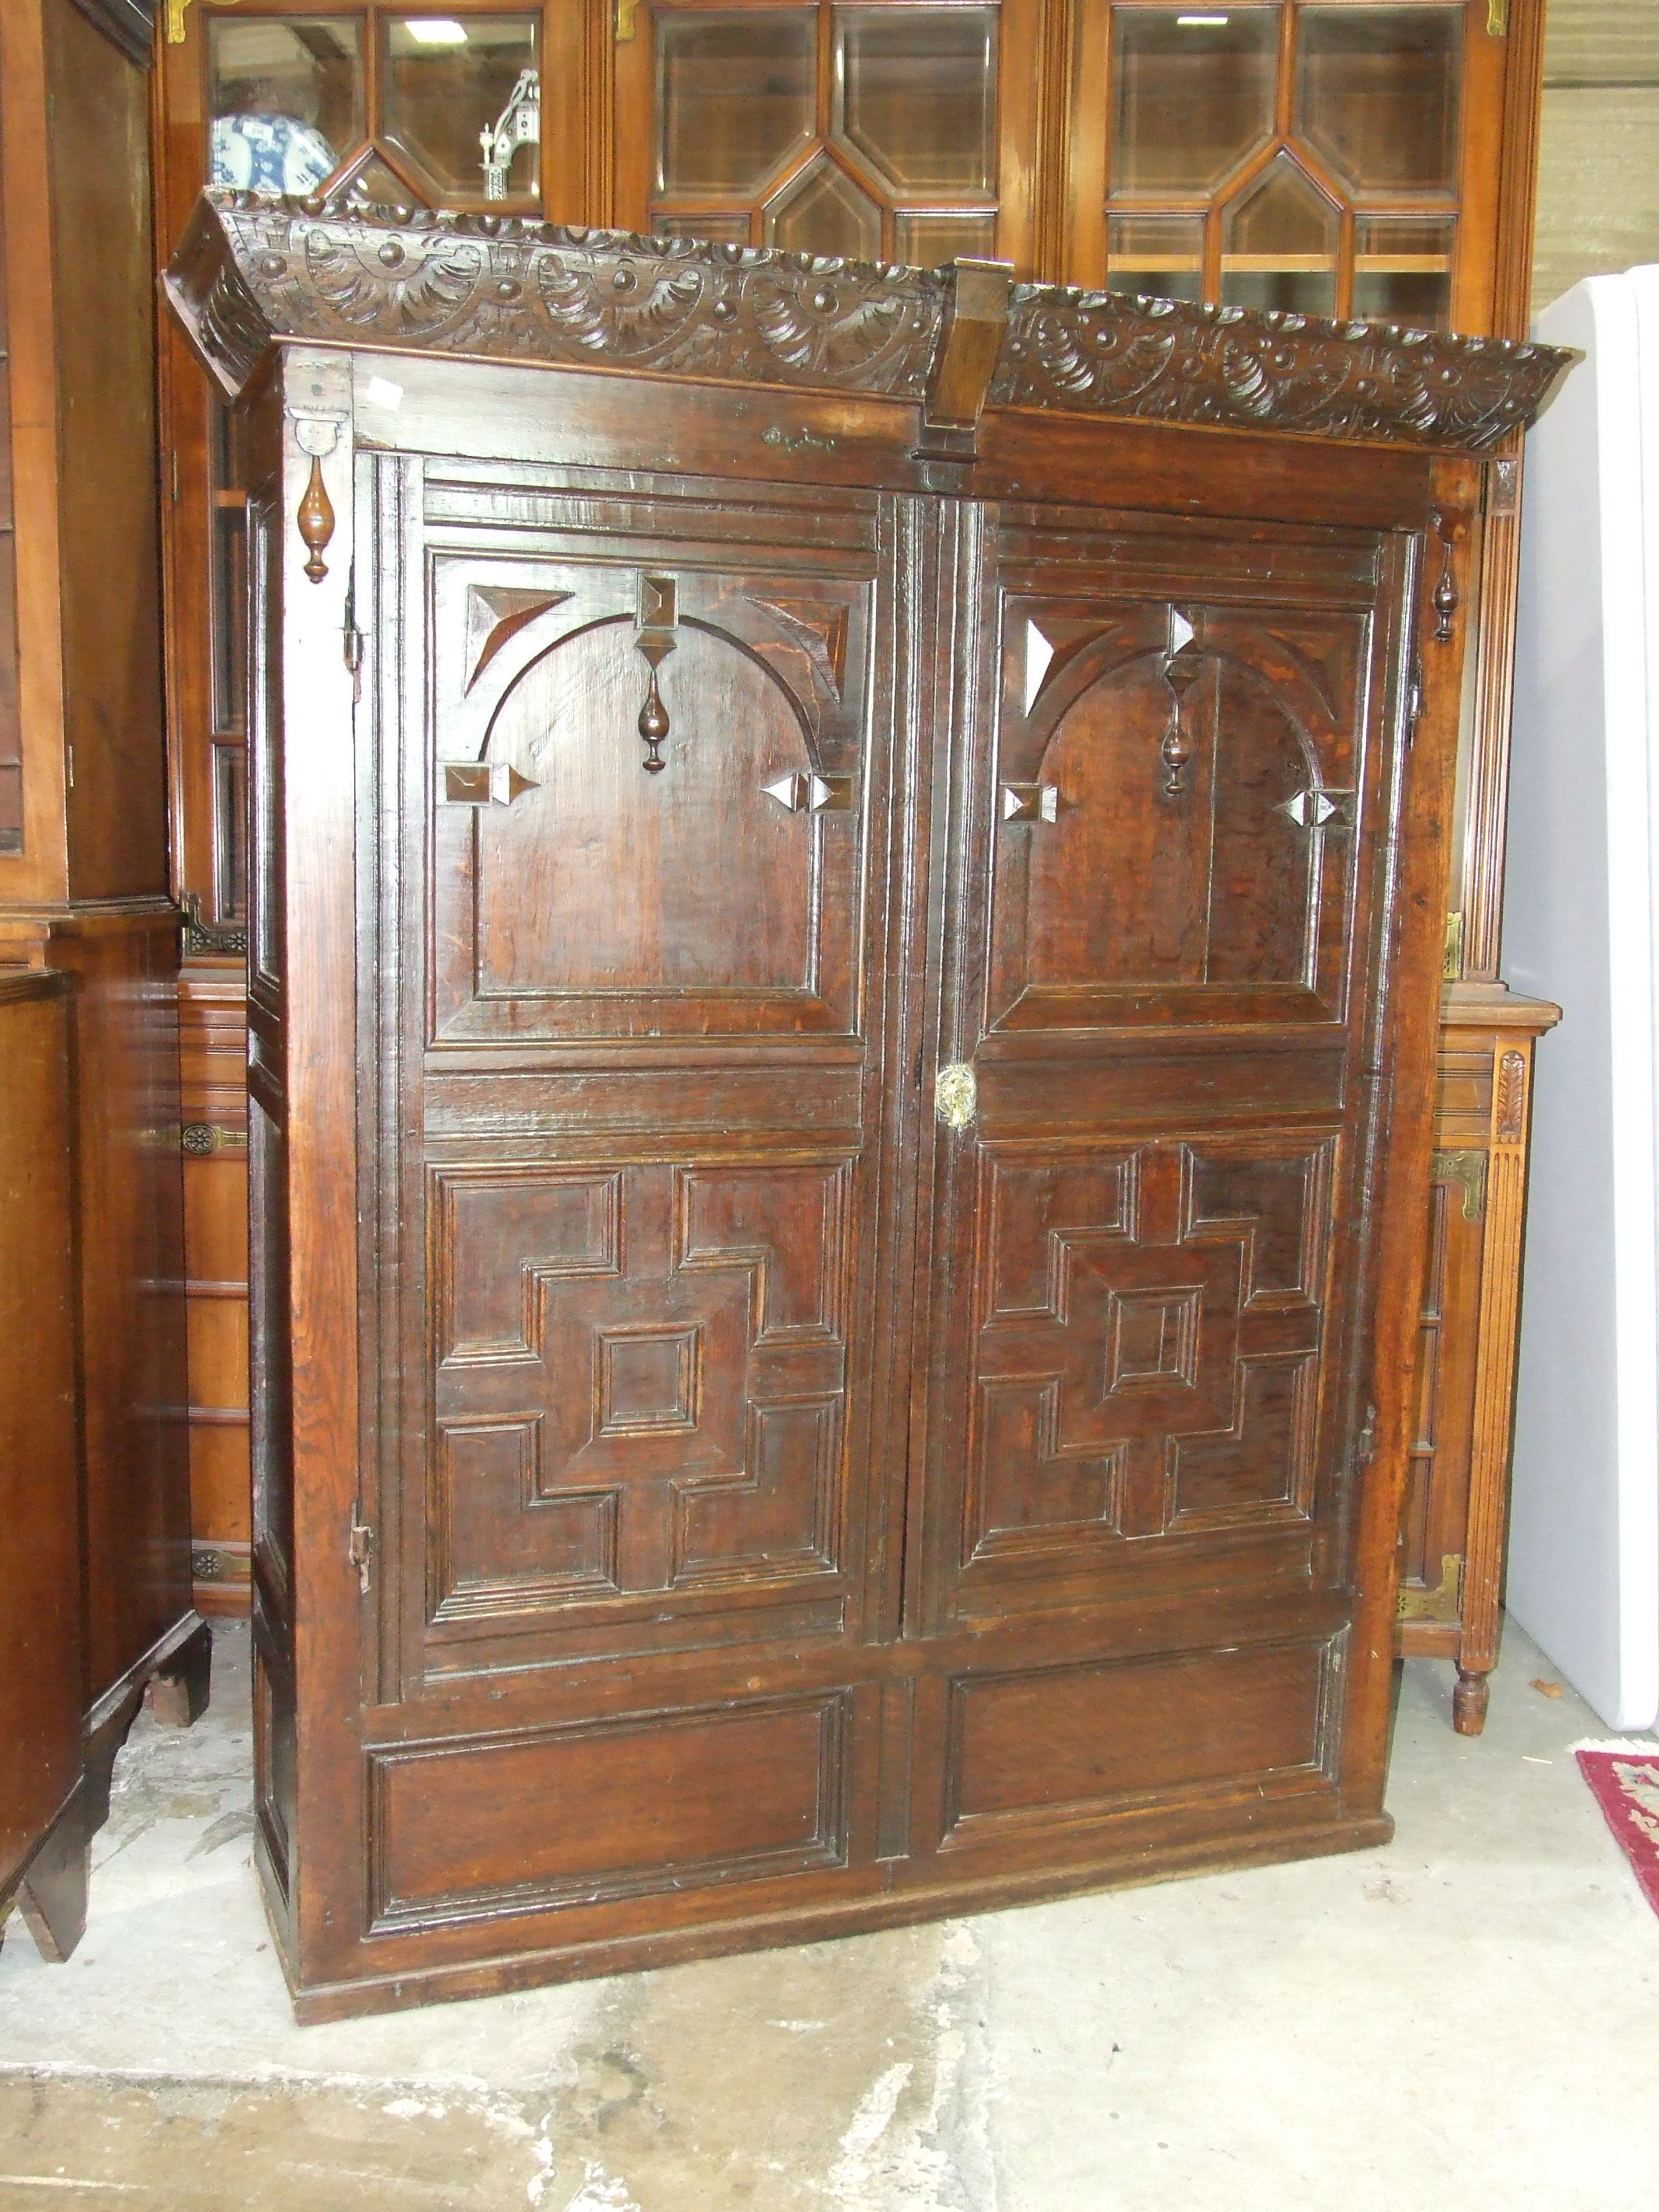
point(842, 988)
point(89, 945)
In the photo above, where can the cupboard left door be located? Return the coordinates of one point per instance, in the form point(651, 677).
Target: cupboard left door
point(640, 1428)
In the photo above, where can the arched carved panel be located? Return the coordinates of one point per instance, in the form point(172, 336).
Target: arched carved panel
point(599, 877)
point(646, 800)
point(1174, 804)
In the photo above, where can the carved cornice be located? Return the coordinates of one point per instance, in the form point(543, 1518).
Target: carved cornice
point(1237, 368)
point(505, 289)
point(250, 270)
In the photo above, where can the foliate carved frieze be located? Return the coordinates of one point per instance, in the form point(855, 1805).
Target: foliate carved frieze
point(1240, 368)
point(503, 288)
point(507, 289)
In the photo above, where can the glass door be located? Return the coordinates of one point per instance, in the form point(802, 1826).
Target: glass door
point(1311, 156)
point(393, 106)
point(883, 131)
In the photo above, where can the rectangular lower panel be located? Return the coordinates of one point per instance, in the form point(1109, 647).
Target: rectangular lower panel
point(1066, 1744)
point(599, 1810)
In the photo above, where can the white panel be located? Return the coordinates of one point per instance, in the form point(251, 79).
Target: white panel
point(1580, 922)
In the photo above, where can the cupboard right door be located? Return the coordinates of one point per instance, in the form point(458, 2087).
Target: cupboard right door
point(1159, 1111)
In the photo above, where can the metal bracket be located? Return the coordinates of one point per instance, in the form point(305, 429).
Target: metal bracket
point(1443, 1604)
point(1468, 1171)
point(212, 940)
point(1453, 967)
point(360, 1551)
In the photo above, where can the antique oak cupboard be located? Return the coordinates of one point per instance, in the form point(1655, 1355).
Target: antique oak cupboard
point(94, 1558)
point(843, 949)
point(1359, 157)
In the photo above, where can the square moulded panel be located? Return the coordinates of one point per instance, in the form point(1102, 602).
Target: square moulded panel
point(449, 82)
point(1402, 269)
point(928, 241)
point(1161, 256)
point(1192, 95)
point(735, 97)
point(1377, 94)
point(917, 95)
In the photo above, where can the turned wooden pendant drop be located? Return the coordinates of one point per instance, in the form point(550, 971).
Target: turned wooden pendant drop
point(316, 521)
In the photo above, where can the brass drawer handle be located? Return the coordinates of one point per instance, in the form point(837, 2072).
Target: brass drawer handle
point(956, 1095)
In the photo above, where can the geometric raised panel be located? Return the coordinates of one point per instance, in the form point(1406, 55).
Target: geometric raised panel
point(1149, 1347)
point(639, 1375)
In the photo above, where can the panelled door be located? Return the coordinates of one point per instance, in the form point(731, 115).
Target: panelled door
point(1170, 839)
point(710, 898)
point(643, 753)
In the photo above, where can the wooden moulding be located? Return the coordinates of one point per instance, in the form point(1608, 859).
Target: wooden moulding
point(252, 269)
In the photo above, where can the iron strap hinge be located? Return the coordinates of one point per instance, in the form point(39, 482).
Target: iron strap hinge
point(351, 642)
point(361, 1551)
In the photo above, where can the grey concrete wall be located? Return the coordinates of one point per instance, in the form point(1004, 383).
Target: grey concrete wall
point(1598, 173)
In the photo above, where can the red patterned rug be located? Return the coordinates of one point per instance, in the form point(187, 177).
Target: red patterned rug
point(1623, 1778)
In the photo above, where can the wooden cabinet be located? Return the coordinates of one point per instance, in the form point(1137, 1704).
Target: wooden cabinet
point(843, 970)
point(88, 934)
point(1452, 1533)
point(43, 1629)
point(1316, 156)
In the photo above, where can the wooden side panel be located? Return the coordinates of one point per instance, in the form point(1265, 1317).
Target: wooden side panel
point(42, 1654)
point(276, 1688)
point(213, 1050)
point(130, 1175)
point(1451, 1568)
point(110, 531)
point(11, 731)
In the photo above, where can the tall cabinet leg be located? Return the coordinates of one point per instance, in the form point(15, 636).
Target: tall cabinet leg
point(1458, 1509)
point(180, 1686)
point(53, 1895)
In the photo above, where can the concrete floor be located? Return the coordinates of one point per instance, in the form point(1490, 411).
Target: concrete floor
point(1471, 2013)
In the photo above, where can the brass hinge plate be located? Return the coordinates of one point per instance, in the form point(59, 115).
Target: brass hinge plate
point(1443, 1605)
point(1453, 965)
point(1468, 1171)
